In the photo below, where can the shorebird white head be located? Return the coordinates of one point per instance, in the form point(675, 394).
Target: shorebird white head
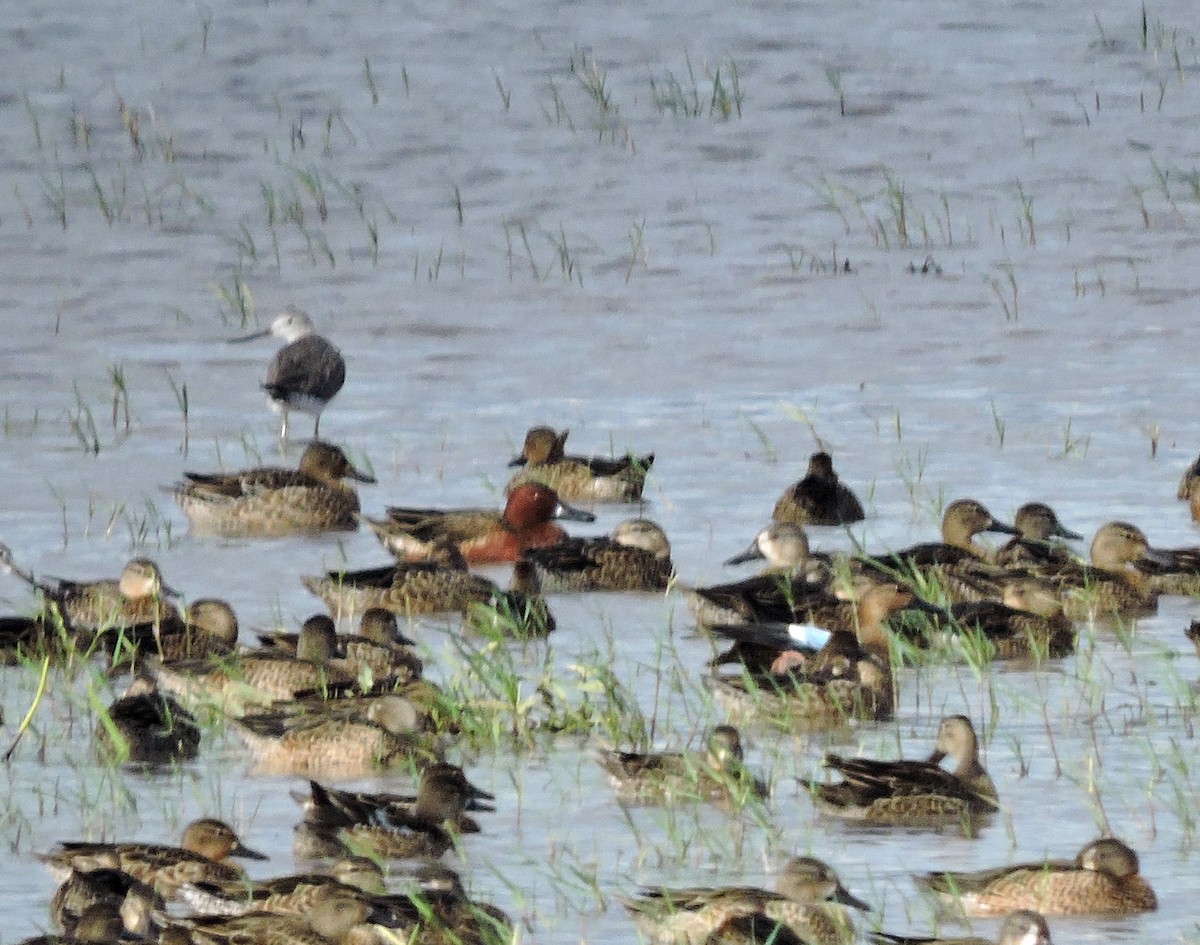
point(306, 373)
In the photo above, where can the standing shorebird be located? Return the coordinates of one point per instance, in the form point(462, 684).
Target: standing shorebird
point(306, 373)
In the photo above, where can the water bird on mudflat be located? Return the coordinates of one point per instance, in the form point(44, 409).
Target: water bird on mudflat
point(913, 793)
point(306, 373)
point(820, 498)
point(1102, 879)
point(578, 478)
point(268, 501)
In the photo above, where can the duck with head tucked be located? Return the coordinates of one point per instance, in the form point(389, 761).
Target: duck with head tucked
point(268, 501)
point(1102, 879)
point(482, 536)
point(913, 793)
point(578, 478)
point(145, 727)
point(717, 773)
point(809, 900)
point(820, 498)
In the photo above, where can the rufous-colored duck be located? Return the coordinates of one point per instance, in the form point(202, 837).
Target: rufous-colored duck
point(482, 536)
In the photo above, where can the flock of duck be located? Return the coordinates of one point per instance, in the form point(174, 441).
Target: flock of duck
point(812, 640)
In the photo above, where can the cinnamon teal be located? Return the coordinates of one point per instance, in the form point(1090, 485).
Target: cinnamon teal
point(913, 793)
point(306, 373)
point(578, 478)
point(201, 858)
point(269, 501)
point(1102, 879)
point(809, 900)
point(482, 536)
point(1023, 927)
point(820, 498)
point(637, 557)
point(719, 773)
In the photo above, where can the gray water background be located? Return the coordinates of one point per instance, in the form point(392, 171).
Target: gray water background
point(509, 214)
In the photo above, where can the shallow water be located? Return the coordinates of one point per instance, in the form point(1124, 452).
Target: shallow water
point(652, 280)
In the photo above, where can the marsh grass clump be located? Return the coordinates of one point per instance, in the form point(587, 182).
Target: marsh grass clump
point(495, 699)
